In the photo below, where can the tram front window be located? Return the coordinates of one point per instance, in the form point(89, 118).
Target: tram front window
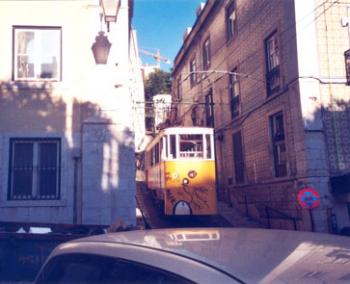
point(191, 145)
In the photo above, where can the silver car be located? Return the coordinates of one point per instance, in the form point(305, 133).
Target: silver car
point(225, 255)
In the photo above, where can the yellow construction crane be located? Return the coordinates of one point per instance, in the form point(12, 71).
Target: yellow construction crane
point(156, 56)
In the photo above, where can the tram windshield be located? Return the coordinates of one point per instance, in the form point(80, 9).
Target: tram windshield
point(194, 146)
point(191, 145)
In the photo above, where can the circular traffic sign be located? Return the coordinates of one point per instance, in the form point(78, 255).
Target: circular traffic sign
point(308, 198)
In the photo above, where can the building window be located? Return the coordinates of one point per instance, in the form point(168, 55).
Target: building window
point(238, 157)
point(34, 169)
point(209, 109)
point(193, 70)
point(231, 20)
point(37, 53)
point(278, 145)
point(347, 66)
point(179, 88)
point(206, 54)
point(272, 64)
point(234, 93)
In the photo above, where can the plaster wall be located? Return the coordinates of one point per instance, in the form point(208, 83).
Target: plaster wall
point(65, 109)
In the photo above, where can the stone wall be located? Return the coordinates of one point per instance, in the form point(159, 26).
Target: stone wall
point(311, 43)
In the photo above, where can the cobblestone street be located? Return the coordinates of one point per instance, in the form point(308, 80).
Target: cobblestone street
point(153, 219)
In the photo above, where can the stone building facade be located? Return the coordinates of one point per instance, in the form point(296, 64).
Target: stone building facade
point(271, 78)
point(67, 133)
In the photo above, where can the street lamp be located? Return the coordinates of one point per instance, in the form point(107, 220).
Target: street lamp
point(110, 10)
point(101, 48)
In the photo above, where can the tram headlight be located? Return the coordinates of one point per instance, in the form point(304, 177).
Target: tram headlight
point(185, 181)
point(192, 174)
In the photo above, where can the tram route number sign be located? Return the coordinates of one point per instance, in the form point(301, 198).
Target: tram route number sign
point(308, 198)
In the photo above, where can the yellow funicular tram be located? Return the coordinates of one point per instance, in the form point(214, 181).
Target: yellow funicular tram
point(180, 170)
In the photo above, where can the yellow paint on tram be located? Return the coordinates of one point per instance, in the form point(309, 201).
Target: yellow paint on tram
point(199, 192)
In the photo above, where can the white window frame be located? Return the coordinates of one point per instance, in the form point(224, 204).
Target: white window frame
point(231, 20)
point(273, 76)
point(38, 47)
point(206, 54)
point(280, 158)
point(234, 91)
point(272, 52)
point(193, 70)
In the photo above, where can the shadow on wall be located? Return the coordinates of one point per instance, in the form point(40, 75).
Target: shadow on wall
point(97, 174)
point(29, 107)
point(334, 122)
point(108, 170)
point(327, 154)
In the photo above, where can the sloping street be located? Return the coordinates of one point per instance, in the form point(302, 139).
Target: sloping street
point(152, 217)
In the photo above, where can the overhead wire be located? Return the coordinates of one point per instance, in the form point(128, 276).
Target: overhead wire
point(281, 45)
point(207, 73)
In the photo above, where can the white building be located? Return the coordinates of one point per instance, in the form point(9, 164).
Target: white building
point(162, 107)
point(67, 136)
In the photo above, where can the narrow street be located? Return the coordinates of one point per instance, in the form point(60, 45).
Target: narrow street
point(152, 217)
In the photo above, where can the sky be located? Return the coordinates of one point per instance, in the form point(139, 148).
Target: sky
point(160, 24)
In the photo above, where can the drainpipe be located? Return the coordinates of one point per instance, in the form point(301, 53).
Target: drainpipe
point(77, 201)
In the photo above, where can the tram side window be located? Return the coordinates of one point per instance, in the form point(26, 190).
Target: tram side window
point(191, 145)
point(173, 153)
point(161, 149)
point(165, 147)
point(208, 143)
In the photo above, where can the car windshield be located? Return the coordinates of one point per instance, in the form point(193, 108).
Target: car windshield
point(89, 268)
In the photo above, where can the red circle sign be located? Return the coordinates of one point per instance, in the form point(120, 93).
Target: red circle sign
point(308, 198)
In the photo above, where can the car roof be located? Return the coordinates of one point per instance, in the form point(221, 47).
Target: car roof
point(252, 255)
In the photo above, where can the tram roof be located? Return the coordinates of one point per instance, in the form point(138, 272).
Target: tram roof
point(180, 130)
point(186, 130)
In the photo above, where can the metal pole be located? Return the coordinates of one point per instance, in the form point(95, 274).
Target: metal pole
point(75, 191)
point(312, 221)
point(268, 217)
point(295, 224)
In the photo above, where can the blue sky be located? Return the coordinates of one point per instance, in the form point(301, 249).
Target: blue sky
point(160, 24)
